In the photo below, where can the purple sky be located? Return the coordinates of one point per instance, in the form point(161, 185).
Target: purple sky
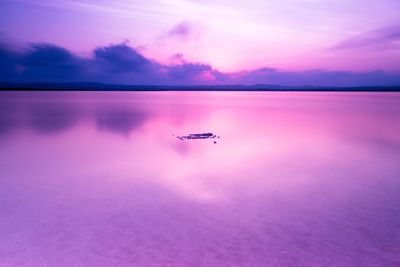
point(289, 42)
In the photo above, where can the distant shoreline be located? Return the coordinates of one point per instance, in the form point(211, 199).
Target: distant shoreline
point(207, 88)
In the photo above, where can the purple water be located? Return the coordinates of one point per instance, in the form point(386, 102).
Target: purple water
point(295, 179)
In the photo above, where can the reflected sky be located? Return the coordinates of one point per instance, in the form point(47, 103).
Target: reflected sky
point(297, 179)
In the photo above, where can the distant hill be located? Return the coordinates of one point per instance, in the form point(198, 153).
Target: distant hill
point(83, 86)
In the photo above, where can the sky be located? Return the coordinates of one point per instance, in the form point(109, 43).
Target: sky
point(286, 42)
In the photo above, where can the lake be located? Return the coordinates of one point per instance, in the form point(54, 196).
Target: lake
point(294, 179)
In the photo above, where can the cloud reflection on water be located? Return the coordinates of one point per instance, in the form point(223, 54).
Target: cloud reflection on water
point(286, 185)
point(120, 119)
point(52, 118)
point(54, 115)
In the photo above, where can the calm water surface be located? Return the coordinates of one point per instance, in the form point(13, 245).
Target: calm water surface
point(296, 179)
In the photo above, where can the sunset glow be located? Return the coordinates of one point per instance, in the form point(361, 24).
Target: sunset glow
point(232, 37)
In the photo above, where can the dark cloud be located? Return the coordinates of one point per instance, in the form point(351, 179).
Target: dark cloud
point(122, 64)
point(43, 55)
point(118, 63)
point(40, 63)
point(50, 63)
point(9, 61)
point(187, 71)
point(220, 76)
point(121, 58)
point(383, 38)
point(317, 78)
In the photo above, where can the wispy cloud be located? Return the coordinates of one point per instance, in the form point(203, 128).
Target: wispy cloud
point(182, 29)
point(123, 7)
point(383, 38)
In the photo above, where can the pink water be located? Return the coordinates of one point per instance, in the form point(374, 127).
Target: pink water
point(296, 179)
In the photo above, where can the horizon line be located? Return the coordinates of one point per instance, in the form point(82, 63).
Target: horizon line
point(95, 86)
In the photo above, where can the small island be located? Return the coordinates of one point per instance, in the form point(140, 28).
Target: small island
point(198, 136)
